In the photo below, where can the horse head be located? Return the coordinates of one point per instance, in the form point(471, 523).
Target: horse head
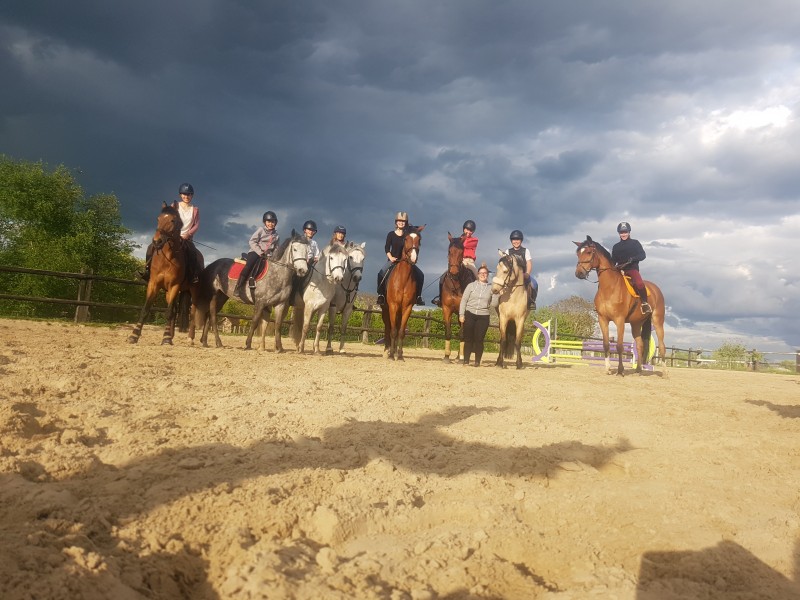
point(168, 226)
point(412, 243)
point(356, 256)
point(335, 262)
point(455, 254)
point(298, 245)
point(507, 274)
point(588, 259)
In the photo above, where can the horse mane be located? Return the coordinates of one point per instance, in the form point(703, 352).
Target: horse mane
point(599, 247)
point(457, 242)
point(295, 237)
point(334, 249)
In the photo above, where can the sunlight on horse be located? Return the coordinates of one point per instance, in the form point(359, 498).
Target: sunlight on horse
point(401, 292)
point(168, 273)
point(509, 283)
point(345, 293)
point(615, 303)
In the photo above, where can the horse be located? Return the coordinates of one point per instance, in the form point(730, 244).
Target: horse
point(454, 281)
point(613, 302)
point(316, 297)
point(509, 284)
point(272, 289)
point(401, 292)
point(168, 272)
point(345, 294)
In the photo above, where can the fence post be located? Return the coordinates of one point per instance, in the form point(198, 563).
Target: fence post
point(426, 329)
point(84, 293)
point(753, 361)
point(366, 323)
point(797, 362)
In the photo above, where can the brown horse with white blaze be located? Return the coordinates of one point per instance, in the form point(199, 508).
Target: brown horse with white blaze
point(614, 303)
point(512, 308)
point(401, 292)
point(168, 272)
point(454, 281)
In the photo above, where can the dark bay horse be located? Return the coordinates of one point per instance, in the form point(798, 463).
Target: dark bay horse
point(345, 295)
point(168, 273)
point(614, 302)
point(509, 283)
point(454, 281)
point(401, 292)
point(271, 290)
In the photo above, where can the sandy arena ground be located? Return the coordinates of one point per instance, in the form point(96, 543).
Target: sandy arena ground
point(182, 472)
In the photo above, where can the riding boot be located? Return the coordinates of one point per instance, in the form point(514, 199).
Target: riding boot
point(145, 275)
point(240, 283)
point(532, 293)
point(437, 301)
point(646, 310)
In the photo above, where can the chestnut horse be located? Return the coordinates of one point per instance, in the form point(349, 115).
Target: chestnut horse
point(454, 281)
point(168, 272)
point(613, 302)
point(509, 283)
point(401, 292)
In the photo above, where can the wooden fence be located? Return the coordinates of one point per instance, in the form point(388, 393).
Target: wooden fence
point(675, 356)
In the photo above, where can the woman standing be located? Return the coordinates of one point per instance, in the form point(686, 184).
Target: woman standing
point(473, 314)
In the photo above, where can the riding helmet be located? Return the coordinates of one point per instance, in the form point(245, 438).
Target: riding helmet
point(270, 216)
point(186, 188)
point(624, 227)
point(515, 235)
point(470, 225)
point(310, 225)
point(401, 216)
point(340, 229)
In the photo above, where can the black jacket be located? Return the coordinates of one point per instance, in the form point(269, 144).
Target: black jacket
point(628, 250)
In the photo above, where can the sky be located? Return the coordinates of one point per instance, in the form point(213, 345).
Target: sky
point(558, 118)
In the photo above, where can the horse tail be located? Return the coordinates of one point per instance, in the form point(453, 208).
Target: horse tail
point(184, 308)
point(647, 330)
point(511, 339)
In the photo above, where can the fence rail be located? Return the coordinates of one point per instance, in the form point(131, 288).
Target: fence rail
point(86, 281)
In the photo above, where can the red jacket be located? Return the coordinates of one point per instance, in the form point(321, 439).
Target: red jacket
point(470, 246)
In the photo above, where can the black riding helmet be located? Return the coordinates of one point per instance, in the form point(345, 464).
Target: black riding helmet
point(515, 235)
point(624, 227)
point(340, 229)
point(310, 225)
point(470, 225)
point(186, 188)
point(270, 216)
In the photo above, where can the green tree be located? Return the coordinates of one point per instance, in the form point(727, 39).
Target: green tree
point(47, 223)
point(575, 316)
point(731, 355)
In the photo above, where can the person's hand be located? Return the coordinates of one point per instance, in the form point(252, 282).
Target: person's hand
point(460, 319)
point(392, 259)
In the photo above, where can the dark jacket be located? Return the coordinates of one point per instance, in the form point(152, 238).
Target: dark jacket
point(628, 250)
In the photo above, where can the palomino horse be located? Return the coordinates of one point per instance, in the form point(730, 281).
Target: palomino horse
point(345, 294)
point(613, 302)
point(167, 272)
point(454, 281)
point(316, 297)
point(401, 292)
point(509, 283)
point(271, 290)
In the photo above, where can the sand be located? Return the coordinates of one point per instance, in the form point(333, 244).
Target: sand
point(142, 471)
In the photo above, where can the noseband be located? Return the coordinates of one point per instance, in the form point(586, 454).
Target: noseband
point(583, 263)
point(507, 281)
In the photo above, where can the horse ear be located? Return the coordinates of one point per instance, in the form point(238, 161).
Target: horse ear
point(363, 244)
point(420, 228)
point(449, 237)
point(163, 204)
point(500, 252)
point(578, 244)
point(294, 233)
point(589, 239)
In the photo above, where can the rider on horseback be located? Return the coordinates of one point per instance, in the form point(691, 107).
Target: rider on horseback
point(190, 217)
point(394, 252)
point(470, 244)
point(262, 243)
point(626, 255)
point(523, 255)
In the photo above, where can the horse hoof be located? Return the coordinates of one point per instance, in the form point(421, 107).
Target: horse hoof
point(133, 339)
point(166, 342)
point(446, 360)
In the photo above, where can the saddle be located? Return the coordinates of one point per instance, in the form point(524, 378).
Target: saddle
point(261, 268)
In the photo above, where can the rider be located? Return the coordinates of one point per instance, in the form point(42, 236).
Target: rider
point(339, 235)
point(470, 244)
point(395, 241)
point(262, 243)
point(524, 256)
point(190, 216)
point(626, 255)
point(312, 253)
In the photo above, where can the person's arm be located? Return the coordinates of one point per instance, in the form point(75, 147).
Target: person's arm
point(255, 242)
point(528, 261)
point(462, 308)
point(194, 224)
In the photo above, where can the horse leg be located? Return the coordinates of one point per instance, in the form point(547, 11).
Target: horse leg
point(603, 322)
point(638, 342)
point(148, 304)
point(257, 310)
point(448, 328)
point(346, 312)
point(219, 301)
point(520, 335)
point(500, 362)
point(172, 315)
point(320, 324)
point(620, 346)
point(387, 332)
point(401, 330)
point(331, 318)
point(277, 312)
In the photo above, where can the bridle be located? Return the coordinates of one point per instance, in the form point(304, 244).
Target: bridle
point(167, 238)
point(509, 261)
point(453, 268)
point(590, 261)
point(414, 246)
point(331, 268)
point(353, 270)
point(293, 252)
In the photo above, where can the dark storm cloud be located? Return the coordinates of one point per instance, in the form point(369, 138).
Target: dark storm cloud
point(558, 118)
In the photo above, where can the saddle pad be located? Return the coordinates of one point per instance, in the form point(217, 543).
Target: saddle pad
point(236, 270)
point(632, 291)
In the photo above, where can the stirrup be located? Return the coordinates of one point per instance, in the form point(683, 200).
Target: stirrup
point(532, 305)
point(646, 310)
point(381, 300)
point(420, 301)
point(437, 301)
